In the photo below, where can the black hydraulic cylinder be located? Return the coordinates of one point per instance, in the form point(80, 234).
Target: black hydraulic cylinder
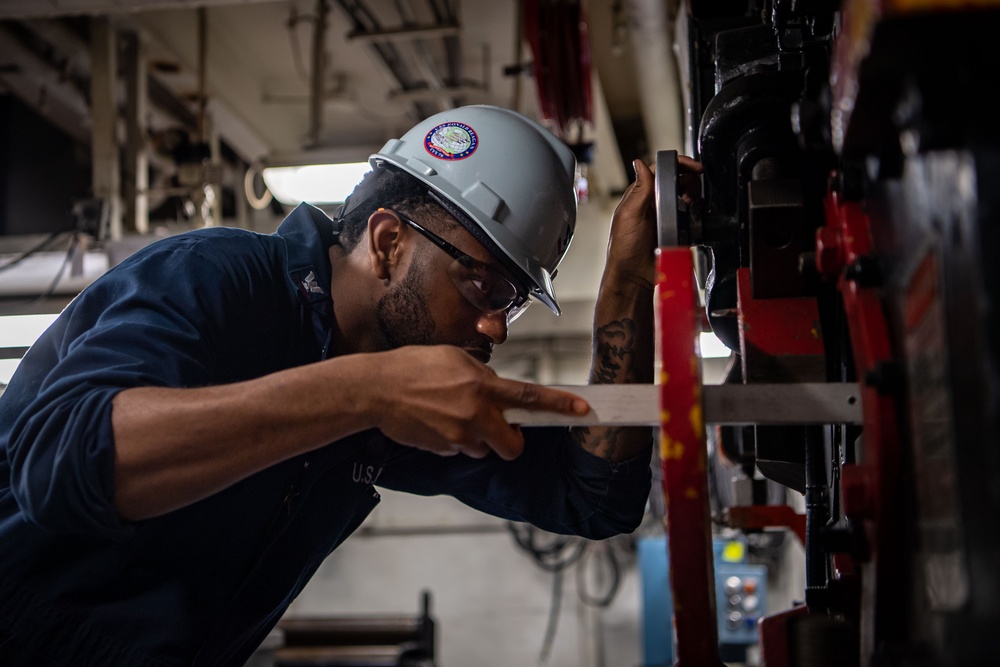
point(817, 516)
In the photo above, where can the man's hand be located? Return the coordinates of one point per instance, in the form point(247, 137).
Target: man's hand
point(633, 226)
point(444, 401)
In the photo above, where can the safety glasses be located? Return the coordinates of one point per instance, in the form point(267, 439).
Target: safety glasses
point(481, 285)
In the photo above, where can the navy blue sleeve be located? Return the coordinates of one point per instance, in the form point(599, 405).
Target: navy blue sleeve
point(148, 322)
point(554, 484)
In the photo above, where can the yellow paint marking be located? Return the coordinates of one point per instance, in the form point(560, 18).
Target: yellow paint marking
point(664, 445)
point(697, 423)
point(669, 448)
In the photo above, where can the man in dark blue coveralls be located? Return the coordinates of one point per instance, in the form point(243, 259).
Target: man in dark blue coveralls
point(178, 448)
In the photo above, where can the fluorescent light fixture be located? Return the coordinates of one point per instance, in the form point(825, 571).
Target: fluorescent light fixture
point(712, 347)
point(314, 183)
point(20, 331)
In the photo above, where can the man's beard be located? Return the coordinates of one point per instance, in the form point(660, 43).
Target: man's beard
point(403, 316)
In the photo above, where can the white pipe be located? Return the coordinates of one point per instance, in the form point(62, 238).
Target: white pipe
point(656, 73)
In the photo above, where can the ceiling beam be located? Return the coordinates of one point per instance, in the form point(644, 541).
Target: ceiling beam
point(23, 9)
point(43, 88)
point(405, 34)
point(248, 141)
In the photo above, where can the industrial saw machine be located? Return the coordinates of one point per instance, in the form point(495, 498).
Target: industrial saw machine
point(851, 225)
point(850, 230)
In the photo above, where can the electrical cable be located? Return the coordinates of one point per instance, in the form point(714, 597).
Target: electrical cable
point(50, 290)
point(25, 255)
point(73, 243)
point(613, 569)
point(562, 552)
point(554, 557)
point(553, 624)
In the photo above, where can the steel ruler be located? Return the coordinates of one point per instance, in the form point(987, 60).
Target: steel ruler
point(639, 405)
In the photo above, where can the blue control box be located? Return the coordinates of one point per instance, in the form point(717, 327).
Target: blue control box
point(740, 599)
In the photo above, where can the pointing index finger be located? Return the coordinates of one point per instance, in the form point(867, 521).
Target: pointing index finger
point(535, 397)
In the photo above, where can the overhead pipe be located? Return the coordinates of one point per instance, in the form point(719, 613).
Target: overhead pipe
point(387, 53)
point(317, 88)
point(136, 184)
point(104, 158)
point(424, 61)
point(407, 33)
point(657, 75)
point(202, 32)
point(437, 80)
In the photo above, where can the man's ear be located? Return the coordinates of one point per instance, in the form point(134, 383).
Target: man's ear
point(384, 249)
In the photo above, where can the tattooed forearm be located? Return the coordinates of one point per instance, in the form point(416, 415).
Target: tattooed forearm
point(616, 361)
point(614, 354)
point(603, 442)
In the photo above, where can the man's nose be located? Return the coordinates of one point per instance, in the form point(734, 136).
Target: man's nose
point(493, 326)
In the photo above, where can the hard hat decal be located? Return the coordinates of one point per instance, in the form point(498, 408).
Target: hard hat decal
point(451, 141)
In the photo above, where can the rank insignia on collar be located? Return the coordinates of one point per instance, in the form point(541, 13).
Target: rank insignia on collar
point(310, 285)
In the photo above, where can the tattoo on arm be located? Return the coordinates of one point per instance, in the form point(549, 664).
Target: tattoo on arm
point(603, 443)
point(614, 363)
point(614, 353)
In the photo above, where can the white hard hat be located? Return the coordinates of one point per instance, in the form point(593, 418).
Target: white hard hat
point(507, 179)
